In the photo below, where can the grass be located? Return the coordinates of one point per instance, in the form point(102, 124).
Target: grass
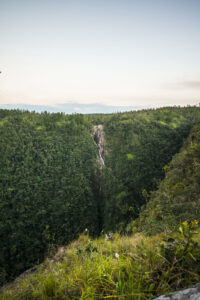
point(136, 267)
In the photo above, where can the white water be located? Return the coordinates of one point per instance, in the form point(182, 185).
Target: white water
point(101, 158)
point(98, 135)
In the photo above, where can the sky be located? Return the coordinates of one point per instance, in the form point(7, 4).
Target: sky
point(91, 55)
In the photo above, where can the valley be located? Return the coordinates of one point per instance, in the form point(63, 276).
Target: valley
point(132, 173)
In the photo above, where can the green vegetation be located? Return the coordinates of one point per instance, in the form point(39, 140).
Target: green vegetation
point(136, 267)
point(139, 145)
point(178, 196)
point(52, 188)
point(47, 191)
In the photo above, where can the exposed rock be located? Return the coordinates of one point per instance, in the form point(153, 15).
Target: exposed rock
point(60, 253)
point(192, 293)
point(109, 237)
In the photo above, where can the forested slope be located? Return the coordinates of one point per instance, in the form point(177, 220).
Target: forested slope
point(178, 196)
point(139, 145)
point(47, 165)
point(51, 184)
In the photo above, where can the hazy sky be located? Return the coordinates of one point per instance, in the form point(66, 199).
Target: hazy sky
point(114, 52)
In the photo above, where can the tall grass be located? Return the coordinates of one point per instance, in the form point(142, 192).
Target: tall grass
point(136, 267)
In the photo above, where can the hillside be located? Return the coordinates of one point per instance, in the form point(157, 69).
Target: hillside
point(53, 186)
point(178, 196)
point(139, 145)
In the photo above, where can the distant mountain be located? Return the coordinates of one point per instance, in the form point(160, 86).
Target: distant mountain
point(70, 108)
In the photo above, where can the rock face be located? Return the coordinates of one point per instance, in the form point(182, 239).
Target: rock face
point(192, 293)
point(99, 138)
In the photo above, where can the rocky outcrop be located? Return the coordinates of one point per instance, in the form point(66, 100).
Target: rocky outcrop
point(192, 293)
point(99, 138)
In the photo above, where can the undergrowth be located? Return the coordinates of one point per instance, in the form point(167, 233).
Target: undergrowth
point(137, 267)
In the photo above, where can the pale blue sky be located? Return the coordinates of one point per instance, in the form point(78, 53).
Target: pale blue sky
point(114, 52)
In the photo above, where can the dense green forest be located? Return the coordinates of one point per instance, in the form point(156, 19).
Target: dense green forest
point(52, 186)
point(47, 165)
point(139, 145)
point(178, 196)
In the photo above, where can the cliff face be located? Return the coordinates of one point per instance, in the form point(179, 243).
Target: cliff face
point(99, 138)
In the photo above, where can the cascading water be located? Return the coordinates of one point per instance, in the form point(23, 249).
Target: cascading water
point(99, 138)
point(101, 158)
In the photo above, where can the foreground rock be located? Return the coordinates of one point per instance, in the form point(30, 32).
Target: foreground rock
point(192, 293)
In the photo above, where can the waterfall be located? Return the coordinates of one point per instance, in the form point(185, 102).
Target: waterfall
point(101, 158)
point(99, 139)
point(98, 135)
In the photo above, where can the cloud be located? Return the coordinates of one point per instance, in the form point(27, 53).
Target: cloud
point(188, 84)
point(191, 84)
